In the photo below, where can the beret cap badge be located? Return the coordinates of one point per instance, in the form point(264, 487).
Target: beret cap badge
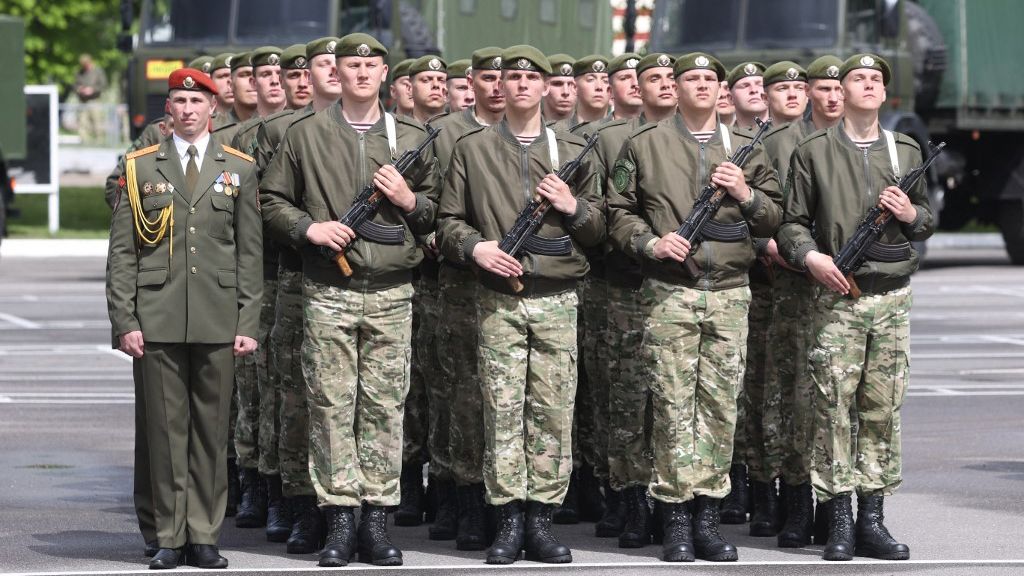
point(188, 83)
point(664, 60)
point(750, 69)
point(792, 74)
point(832, 71)
point(273, 59)
point(867, 61)
point(363, 50)
point(331, 46)
point(702, 61)
point(523, 63)
point(566, 69)
point(434, 64)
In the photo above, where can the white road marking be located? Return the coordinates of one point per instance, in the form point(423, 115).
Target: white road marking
point(18, 321)
point(67, 398)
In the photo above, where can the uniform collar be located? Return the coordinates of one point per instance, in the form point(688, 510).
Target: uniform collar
point(181, 146)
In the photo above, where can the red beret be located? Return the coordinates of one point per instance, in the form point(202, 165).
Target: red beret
point(190, 79)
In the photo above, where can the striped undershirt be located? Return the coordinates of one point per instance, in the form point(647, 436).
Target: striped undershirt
point(526, 140)
point(864, 144)
point(361, 127)
point(703, 136)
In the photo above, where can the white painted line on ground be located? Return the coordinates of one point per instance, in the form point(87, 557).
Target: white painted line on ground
point(60, 325)
point(127, 375)
point(18, 321)
point(964, 355)
point(983, 289)
point(1016, 341)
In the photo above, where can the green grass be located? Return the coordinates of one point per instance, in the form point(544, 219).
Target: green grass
point(83, 214)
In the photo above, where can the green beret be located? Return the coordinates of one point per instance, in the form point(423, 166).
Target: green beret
point(824, 68)
point(294, 57)
point(654, 60)
point(459, 68)
point(488, 58)
point(266, 56)
point(401, 70)
point(743, 70)
point(428, 63)
point(866, 61)
point(359, 44)
point(785, 71)
point(593, 64)
point(561, 64)
point(240, 60)
point(325, 45)
point(202, 63)
point(222, 60)
point(699, 61)
point(525, 57)
point(627, 61)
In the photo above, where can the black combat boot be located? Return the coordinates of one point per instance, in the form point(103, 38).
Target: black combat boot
point(820, 523)
point(541, 544)
point(873, 538)
point(839, 545)
point(340, 542)
point(508, 536)
point(234, 490)
point(374, 545)
point(765, 519)
point(410, 510)
point(796, 533)
point(590, 501)
point(708, 544)
point(446, 520)
point(252, 512)
point(279, 514)
point(568, 512)
point(636, 528)
point(471, 534)
point(610, 525)
point(734, 505)
point(677, 539)
point(204, 556)
point(307, 526)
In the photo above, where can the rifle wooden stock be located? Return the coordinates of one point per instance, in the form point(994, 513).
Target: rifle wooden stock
point(854, 289)
point(343, 265)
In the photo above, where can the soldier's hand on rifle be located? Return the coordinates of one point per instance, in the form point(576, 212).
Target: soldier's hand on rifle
point(558, 194)
point(730, 177)
point(824, 270)
point(132, 344)
point(895, 201)
point(672, 246)
point(488, 256)
point(388, 180)
point(332, 234)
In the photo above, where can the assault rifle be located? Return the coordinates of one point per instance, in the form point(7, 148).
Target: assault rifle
point(359, 216)
point(853, 254)
point(522, 234)
point(710, 200)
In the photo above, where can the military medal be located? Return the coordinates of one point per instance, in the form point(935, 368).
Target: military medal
point(218, 187)
point(170, 188)
point(147, 188)
point(161, 188)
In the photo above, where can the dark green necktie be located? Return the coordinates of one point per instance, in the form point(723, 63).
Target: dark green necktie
point(192, 172)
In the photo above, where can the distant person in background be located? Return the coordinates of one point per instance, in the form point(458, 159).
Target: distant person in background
point(90, 82)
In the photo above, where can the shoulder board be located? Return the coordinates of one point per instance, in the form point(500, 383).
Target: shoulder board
point(611, 124)
point(777, 129)
point(475, 130)
point(142, 152)
point(436, 117)
point(902, 138)
point(408, 121)
point(570, 138)
point(277, 115)
point(644, 128)
point(238, 153)
point(813, 135)
point(302, 115)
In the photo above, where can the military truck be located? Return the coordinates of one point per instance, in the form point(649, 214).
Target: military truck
point(12, 108)
point(956, 78)
point(172, 32)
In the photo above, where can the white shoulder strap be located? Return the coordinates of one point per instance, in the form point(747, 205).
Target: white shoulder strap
point(389, 127)
point(726, 138)
point(890, 142)
point(552, 149)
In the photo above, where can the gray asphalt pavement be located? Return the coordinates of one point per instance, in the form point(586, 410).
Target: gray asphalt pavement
point(66, 436)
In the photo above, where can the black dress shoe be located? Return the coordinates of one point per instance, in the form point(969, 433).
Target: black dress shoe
point(167, 559)
point(204, 556)
point(151, 549)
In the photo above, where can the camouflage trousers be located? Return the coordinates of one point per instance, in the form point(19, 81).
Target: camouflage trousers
point(629, 394)
point(592, 398)
point(528, 363)
point(861, 359)
point(457, 341)
point(286, 359)
point(416, 420)
point(355, 359)
point(267, 385)
point(250, 373)
point(791, 332)
point(758, 425)
point(437, 391)
point(695, 342)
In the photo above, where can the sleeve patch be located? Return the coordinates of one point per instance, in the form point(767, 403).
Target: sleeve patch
point(622, 174)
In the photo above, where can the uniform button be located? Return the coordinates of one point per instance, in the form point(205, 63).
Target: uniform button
point(191, 229)
point(191, 209)
point(193, 270)
point(192, 249)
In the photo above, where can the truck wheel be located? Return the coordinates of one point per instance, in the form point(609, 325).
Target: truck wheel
point(1011, 223)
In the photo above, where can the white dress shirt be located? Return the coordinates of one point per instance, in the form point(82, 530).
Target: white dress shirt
point(182, 146)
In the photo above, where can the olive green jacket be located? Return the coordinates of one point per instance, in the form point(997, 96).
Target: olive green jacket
point(453, 126)
point(322, 165)
point(618, 267)
point(207, 291)
point(658, 176)
point(832, 185)
point(150, 135)
point(491, 178)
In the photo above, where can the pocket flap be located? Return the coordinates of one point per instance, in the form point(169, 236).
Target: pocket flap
point(157, 201)
point(226, 278)
point(222, 202)
point(151, 277)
